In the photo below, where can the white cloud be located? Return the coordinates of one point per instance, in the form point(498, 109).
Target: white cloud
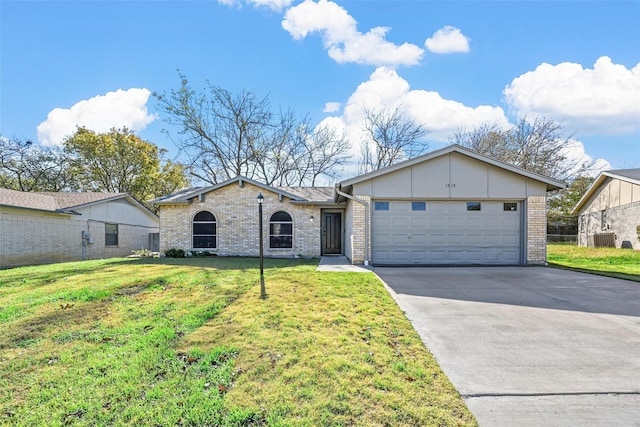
point(122, 108)
point(576, 155)
point(447, 40)
point(331, 107)
point(386, 89)
point(341, 37)
point(276, 5)
point(602, 100)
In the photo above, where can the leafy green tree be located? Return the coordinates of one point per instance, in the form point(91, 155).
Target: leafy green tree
point(25, 166)
point(119, 161)
point(562, 202)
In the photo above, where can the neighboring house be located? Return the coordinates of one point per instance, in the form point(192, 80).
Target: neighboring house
point(42, 228)
point(609, 212)
point(451, 206)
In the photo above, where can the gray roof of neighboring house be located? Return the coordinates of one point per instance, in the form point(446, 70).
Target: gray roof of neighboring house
point(626, 173)
point(300, 195)
point(629, 175)
point(61, 202)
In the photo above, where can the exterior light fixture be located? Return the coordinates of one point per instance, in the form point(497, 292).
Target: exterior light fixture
point(311, 218)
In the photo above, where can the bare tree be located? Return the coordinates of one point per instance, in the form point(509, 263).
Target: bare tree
point(222, 132)
point(225, 135)
point(324, 150)
point(535, 145)
point(390, 136)
point(25, 166)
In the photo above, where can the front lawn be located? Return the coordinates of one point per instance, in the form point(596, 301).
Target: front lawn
point(620, 263)
point(190, 342)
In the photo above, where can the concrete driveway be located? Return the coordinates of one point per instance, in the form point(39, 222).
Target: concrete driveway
point(529, 346)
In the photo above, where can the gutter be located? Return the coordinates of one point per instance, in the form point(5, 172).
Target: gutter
point(366, 222)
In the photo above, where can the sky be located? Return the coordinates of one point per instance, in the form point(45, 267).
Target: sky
point(450, 65)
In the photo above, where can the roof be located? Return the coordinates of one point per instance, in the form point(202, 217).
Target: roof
point(628, 175)
point(312, 194)
point(301, 195)
point(61, 202)
point(552, 184)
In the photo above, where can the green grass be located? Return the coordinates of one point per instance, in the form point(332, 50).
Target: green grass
point(619, 263)
point(190, 342)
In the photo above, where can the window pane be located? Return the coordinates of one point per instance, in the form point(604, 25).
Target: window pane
point(418, 206)
point(381, 206)
point(111, 240)
point(111, 234)
point(204, 241)
point(278, 229)
point(473, 206)
point(281, 216)
point(280, 242)
point(510, 206)
point(204, 228)
point(204, 216)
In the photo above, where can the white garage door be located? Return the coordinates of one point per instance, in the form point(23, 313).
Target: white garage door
point(446, 233)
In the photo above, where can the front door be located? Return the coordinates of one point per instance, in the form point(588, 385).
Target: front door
point(331, 233)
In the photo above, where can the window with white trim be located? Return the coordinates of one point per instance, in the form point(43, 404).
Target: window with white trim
point(280, 231)
point(204, 231)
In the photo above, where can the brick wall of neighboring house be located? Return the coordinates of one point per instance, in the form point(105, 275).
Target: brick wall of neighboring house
point(536, 233)
point(623, 221)
point(31, 238)
point(236, 211)
point(355, 237)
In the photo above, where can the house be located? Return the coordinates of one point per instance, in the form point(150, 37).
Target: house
point(451, 206)
point(42, 228)
point(609, 212)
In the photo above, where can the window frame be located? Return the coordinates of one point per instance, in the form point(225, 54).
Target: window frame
point(474, 206)
point(421, 204)
point(280, 234)
point(214, 235)
point(513, 206)
point(108, 237)
point(380, 205)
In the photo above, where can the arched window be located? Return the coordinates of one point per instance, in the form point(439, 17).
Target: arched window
point(204, 230)
point(280, 231)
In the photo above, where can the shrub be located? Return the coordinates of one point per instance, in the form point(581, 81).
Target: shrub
point(143, 253)
point(175, 253)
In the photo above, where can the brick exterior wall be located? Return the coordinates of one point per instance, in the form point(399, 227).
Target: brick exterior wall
point(536, 231)
point(355, 240)
point(236, 211)
point(39, 238)
point(621, 220)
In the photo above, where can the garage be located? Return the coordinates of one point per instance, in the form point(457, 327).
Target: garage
point(421, 232)
point(452, 206)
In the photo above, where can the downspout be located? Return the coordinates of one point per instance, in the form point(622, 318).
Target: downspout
point(366, 222)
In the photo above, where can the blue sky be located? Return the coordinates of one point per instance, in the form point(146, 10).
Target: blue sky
point(449, 64)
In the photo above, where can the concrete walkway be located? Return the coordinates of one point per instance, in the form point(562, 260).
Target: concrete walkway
point(341, 264)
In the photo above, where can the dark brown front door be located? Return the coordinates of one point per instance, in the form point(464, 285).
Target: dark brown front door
point(331, 233)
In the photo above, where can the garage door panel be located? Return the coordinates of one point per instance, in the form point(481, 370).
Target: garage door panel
point(446, 233)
